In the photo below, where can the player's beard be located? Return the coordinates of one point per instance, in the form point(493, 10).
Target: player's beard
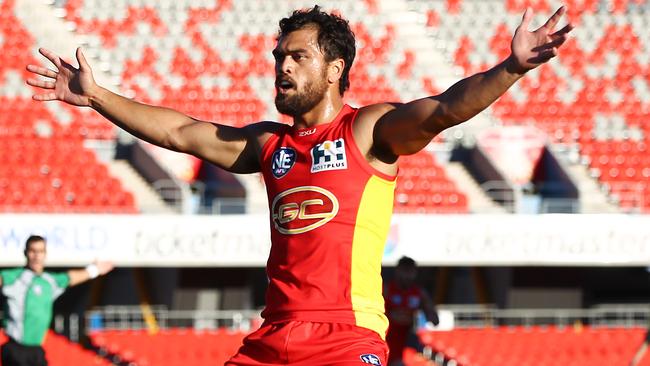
point(301, 102)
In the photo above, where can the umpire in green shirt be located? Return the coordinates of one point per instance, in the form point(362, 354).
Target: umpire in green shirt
point(30, 292)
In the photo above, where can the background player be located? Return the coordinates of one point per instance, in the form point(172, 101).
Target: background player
point(404, 298)
point(29, 294)
point(324, 301)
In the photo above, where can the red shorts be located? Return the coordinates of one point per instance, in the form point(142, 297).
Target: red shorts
point(306, 343)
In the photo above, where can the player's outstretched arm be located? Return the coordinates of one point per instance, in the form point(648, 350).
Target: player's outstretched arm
point(225, 146)
point(407, 128)
point(429, 308)
point(97, 268)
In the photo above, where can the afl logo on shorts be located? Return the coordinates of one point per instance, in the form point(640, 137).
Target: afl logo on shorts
point(282, 161)
point(302, 209)
point(371, 359)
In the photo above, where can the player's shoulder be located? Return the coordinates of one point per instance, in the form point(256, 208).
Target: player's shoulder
point(374, 112)
point(263, 130)
point(266, 127)
point(60, 278)
point(368, 116)
point(10, 275)
point(364, 130)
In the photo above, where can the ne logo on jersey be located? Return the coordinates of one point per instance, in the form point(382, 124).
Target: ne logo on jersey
point(301, 209)
point(329, 155)
point(282, 161)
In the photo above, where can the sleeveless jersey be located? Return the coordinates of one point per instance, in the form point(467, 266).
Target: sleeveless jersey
point(330, 216)
point(402, 304)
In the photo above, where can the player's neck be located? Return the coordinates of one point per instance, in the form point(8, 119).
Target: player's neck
point(37, 270)
point(323, 112)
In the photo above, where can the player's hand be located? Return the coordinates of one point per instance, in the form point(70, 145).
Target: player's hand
point(531, 49)
point(67, 83)
point(104, 266)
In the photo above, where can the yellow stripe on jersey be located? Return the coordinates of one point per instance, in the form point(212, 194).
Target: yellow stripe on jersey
point(370, 233)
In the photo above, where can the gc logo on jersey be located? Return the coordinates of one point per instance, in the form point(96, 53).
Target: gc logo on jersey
point(371, 359)
point(329, 155)
point(301, 209)
point(282, 161)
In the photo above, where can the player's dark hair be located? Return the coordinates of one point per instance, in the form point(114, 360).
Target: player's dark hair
point(33, 239)
point(406, 262)
point(335, 38)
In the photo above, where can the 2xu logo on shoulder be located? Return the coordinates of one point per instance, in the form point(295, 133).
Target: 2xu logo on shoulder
point(329, 155)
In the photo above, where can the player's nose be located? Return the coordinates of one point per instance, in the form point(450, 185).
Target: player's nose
point(284, 66)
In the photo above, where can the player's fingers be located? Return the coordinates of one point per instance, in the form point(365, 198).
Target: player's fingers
point(562, 32)
point(44, 97)
point(526, 18)
point(41, 83)
point(56, 60)
point(555, 43)
point(543, 57)
point(552, 21)
point(81, 59)
point(42, 71)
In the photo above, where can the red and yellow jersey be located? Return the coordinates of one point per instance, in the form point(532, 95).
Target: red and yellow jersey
point(402, 304)
point(330, 215)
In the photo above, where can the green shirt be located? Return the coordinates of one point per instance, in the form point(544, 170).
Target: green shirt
point(28, 305)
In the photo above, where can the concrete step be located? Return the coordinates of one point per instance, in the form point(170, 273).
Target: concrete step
point(592, 198)
point(57, 35)
point(256, 198)
point(146, 199)
point(478, 200)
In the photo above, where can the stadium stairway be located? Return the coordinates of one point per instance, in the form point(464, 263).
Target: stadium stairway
point(592, 198)
point(432, 66)
point(146, 199)
point(213, 61)
point(477, 199)
point(59, 36)
point(256, 198)
point(594, 97)
point(43, 144)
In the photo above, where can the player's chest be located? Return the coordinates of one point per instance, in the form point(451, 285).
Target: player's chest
point(307, 160)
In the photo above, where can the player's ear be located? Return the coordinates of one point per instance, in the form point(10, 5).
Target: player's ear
point(335, 70)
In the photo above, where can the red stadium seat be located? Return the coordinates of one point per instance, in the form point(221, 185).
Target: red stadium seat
point(181, 347)
point(536, 345)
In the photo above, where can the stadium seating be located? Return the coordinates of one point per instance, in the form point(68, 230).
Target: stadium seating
point(59, 351)
point(595, 95)
point(411, 357)
point(536, 345)
point(215, 63)
point(172, 347)
point(424, 187)
point(44, 166)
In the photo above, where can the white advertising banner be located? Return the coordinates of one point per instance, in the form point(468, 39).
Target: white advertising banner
point(233, 240)
point(139, 240)
point(493, 240)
